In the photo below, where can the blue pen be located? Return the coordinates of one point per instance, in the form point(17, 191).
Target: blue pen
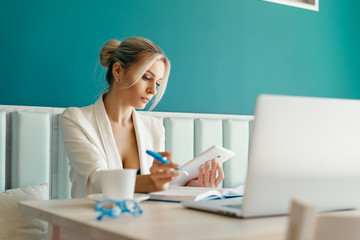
point(160, 158)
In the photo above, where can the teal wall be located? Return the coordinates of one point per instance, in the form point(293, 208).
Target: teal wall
point(223, 52)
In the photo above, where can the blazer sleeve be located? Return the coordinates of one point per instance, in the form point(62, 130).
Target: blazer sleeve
point(85, 158)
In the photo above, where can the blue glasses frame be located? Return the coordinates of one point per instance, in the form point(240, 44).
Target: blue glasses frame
point(118, 207)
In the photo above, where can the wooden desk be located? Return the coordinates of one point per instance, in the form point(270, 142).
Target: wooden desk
point(76, 219)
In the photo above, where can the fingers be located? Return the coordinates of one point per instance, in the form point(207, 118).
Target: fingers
point(162, 180)
point(220, 174)
point(207, 174)
point(164, 176)
point(165, 165)
point(200, 181)
point(163, 173)
point(158, 165)
point(213, 173)
point(168, 165)
point(167, 155)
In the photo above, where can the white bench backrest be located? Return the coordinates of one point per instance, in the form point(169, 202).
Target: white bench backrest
point(31, 150)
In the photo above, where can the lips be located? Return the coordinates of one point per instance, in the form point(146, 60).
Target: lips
point(146, 100)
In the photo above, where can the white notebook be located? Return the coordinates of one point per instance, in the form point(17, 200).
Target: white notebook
point(179, 194)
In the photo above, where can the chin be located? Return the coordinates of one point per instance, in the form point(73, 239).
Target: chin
point(140, 106)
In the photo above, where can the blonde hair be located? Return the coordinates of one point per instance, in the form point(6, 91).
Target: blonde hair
point(135, 55)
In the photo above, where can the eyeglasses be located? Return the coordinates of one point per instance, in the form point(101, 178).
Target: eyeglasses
point(114, 208)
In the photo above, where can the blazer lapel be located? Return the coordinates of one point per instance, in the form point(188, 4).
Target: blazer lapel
point(141, 143)
point(105, 131)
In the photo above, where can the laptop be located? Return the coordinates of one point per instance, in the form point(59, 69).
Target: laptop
point(303, 147)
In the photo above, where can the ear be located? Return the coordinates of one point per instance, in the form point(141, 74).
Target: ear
point(116, 71)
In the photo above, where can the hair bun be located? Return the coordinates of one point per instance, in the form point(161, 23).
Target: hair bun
point(107, 52)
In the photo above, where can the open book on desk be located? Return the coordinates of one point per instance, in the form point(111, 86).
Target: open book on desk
point(179, 194)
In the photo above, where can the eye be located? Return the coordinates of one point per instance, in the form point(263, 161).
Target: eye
point(146, 78)
point(158, 84)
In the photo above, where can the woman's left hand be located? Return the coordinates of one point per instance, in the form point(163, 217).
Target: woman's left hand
point(207, 175)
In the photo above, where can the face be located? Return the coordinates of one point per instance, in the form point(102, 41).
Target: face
point(145, 89)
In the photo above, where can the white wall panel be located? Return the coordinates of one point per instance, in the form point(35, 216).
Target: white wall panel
point(179, 135)
point(208, 132)
point(236, 138)
point(30, 148)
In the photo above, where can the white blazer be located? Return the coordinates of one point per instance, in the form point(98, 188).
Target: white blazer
point(91, 147)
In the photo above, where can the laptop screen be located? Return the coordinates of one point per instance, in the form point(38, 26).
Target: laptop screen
point(303, 147)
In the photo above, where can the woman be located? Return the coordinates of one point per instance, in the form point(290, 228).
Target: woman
point(110, 134)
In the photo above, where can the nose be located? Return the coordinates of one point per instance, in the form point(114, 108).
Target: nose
point(151, 89)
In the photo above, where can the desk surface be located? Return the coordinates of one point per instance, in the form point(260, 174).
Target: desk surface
point(160, 220)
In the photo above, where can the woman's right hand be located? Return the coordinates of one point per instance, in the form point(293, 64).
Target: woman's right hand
point(163, 173)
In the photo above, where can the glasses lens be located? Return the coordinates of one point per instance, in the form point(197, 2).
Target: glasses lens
point(130, 205)
point(133, 207)
point(108, 208)
point(116, 211)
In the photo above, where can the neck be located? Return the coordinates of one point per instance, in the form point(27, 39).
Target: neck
point(117, 109)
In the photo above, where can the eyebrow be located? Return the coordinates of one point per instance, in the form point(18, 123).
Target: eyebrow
point(153, 74)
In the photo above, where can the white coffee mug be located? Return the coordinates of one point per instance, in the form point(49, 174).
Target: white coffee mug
point(118, 184)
